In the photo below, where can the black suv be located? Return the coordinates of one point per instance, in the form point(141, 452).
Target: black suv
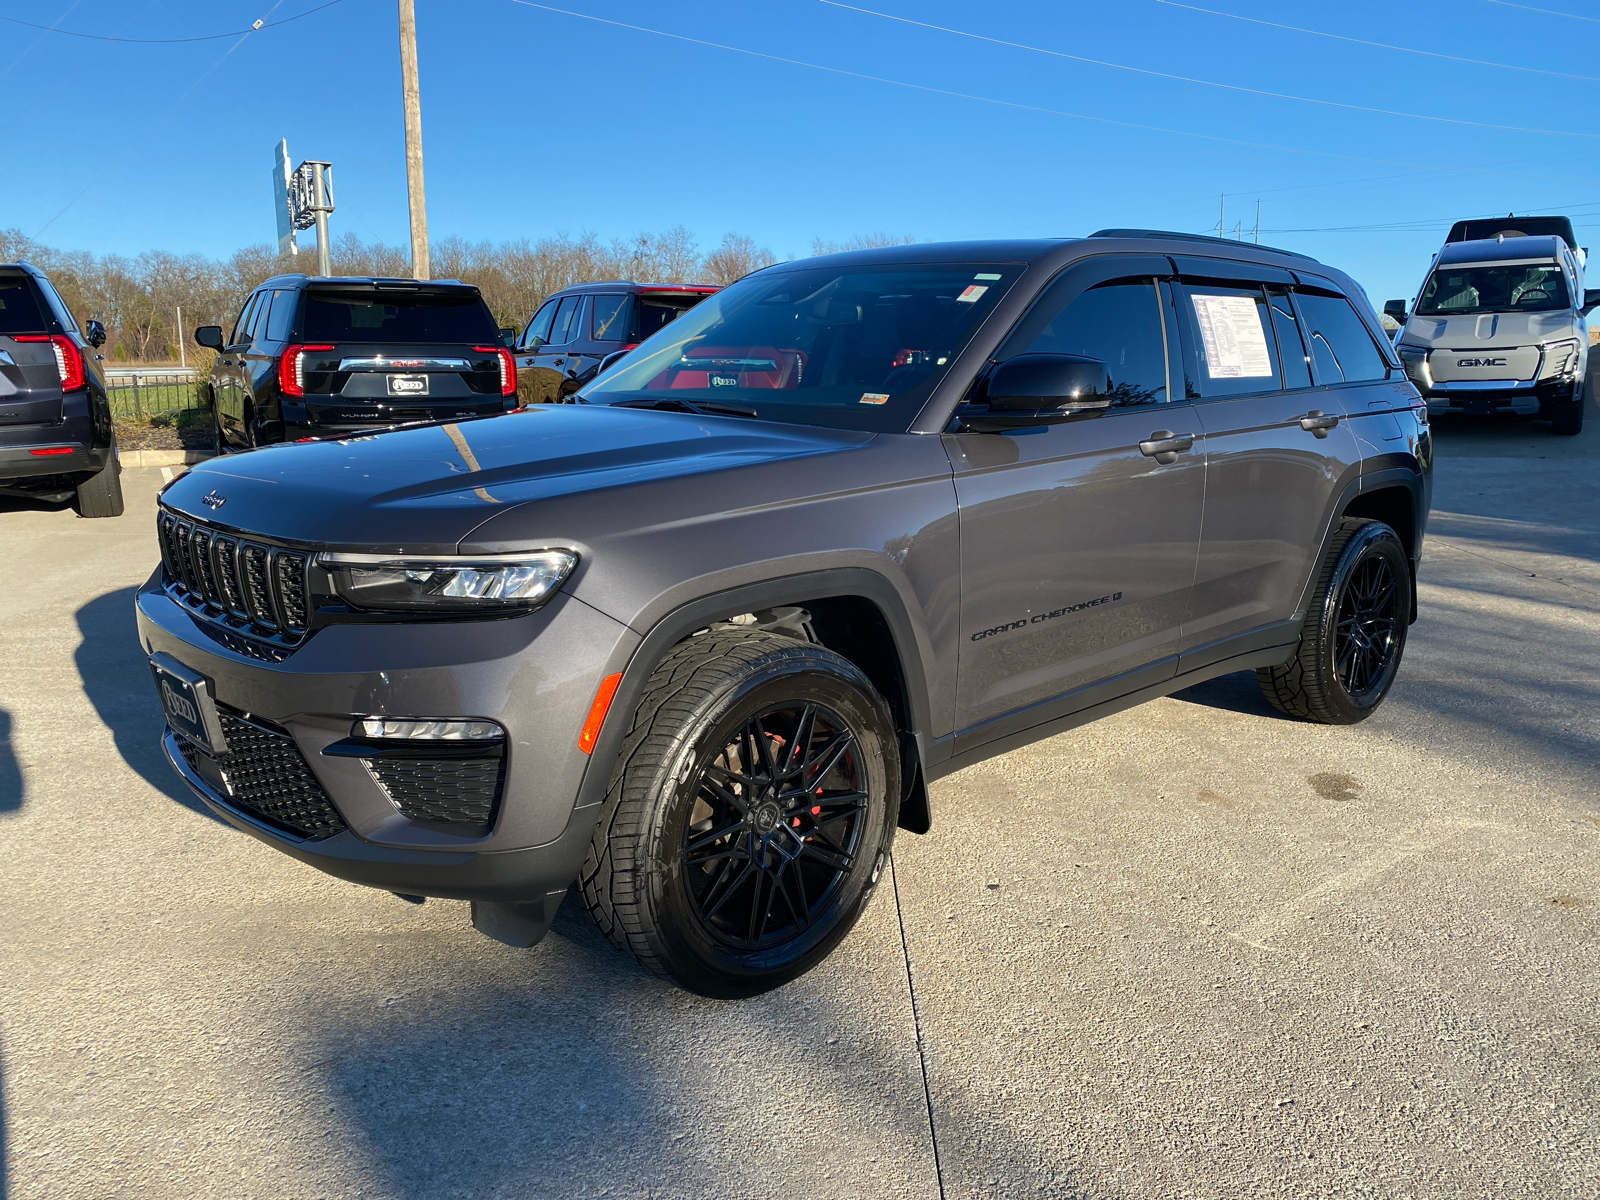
point(57, 441)
point(313, 356)
point(581, 330)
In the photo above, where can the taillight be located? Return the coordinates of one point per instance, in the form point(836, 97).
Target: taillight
point(69, 359)
point(508, 367)
point(291, 378)
point(631, 346)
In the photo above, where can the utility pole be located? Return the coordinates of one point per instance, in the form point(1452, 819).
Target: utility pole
point(1258, 222)
point(1222, 212)
point(183, 360)
point(413, 110)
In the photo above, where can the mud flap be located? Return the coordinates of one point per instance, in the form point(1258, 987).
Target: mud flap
point(521, 924)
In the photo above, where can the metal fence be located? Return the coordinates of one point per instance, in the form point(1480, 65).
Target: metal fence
point(162, 390)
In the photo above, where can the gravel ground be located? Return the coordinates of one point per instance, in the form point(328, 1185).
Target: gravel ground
point(1194, 950)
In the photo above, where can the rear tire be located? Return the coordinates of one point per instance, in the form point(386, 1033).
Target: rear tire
point(1354, 631)
point(100, 495)
point(750, 813)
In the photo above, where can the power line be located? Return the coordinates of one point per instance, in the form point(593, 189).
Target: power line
point(70, 9)
point(1054, 112)
point(210, 37)
point(1339, 37)
point(1229, 87)
point(1549, 12)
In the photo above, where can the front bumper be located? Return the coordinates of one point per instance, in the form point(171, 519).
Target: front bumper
point(1530, 398)
point(535, 675)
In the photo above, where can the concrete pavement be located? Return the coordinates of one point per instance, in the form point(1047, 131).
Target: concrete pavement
point(1192, 950)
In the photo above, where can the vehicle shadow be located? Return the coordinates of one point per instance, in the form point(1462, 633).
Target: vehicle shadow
point(567, 1070)
point(11, 785)
point(116, 678)
point(1238, 693)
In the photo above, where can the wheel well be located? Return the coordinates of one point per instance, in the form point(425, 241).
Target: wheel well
point(1393, 506)
point(855, 628)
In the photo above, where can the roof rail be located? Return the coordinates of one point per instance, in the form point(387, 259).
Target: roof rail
point(1193, 237)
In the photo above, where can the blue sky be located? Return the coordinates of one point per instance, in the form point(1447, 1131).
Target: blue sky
point(536, 122)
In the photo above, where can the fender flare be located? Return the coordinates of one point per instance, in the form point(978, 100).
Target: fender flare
point(718, 606)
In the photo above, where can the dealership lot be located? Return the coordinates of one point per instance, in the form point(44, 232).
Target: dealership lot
point(1192, 950)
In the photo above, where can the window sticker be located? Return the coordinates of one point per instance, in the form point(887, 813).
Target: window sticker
point(1236, 343)
point(874, 398)
point(972, 294)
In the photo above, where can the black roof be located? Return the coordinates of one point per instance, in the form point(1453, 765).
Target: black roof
point(1513, 226)
point(1168, 235)
point(374, 281)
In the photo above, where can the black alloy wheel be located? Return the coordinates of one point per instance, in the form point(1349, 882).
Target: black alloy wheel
point(1354, 630)
point(750, 814)
point(1366, 636)
point(776, 825)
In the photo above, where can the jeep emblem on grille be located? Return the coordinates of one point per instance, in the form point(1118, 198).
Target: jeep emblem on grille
point(212, 500)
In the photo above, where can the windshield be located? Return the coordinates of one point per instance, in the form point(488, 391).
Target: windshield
point(858, 347)
point(1517, 287)
point(458, 315)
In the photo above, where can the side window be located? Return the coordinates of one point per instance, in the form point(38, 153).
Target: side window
point(1230, 348)
point(610, 318)
point(565, 326)
point(241, 327)
point(1118, 322)
point(281, 323)
point(1291, 348)
point(1344, 350)
point(538, 331)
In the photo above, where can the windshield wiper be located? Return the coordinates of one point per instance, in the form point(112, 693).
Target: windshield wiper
point(700, 408)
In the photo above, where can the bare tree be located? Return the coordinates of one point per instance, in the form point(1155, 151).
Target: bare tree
point(736, 258)
point(861, 241)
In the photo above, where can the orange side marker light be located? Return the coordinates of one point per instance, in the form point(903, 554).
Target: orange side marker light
point(597, 712)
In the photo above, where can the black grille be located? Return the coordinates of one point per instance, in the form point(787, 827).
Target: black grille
point(455, 791)
point(248, 586)
point(291, 570)
point(264, 774)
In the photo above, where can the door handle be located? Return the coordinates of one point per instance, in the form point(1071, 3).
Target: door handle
point(1164, 446)
point(1317, 422)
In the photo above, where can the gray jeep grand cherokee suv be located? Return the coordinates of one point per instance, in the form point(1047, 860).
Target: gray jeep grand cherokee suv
point(699, 642)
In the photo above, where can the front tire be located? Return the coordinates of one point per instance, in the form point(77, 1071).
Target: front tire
point(1354, 631)
point(1569, 423)
point(749, 816)
point(100, 495)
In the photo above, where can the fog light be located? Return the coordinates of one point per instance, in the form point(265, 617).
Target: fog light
point(417, 729)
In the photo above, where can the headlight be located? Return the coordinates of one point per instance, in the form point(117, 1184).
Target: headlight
point(489, 584)
point(1561, 358)
point(1415, 360)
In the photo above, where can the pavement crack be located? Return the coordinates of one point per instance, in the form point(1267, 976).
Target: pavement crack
point(916, 1021)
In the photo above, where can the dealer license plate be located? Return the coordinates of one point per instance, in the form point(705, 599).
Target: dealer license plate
point(408, 385)
point(187, 702)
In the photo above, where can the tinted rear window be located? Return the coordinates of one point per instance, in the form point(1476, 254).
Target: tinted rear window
point(20, 310)
point(398, 317)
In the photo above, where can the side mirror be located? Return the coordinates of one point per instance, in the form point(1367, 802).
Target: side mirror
point(95, 333)
point(1059, 382)
point(1041, 389)
point(209, 336)
point(1395, 309)
point(1591, 300)
point(532, 344)
point(610, 360)
point(508, 337)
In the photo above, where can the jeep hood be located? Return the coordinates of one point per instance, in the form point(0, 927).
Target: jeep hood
point(1482, 331)
point(424, 489)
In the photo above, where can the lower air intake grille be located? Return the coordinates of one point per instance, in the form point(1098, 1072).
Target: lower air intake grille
point(455, 791)
point(264, 774)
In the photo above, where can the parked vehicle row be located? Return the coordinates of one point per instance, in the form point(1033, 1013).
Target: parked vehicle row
point(698, 641)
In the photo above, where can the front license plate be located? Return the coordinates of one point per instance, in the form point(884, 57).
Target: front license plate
point(187, 702)
point(408, 385)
